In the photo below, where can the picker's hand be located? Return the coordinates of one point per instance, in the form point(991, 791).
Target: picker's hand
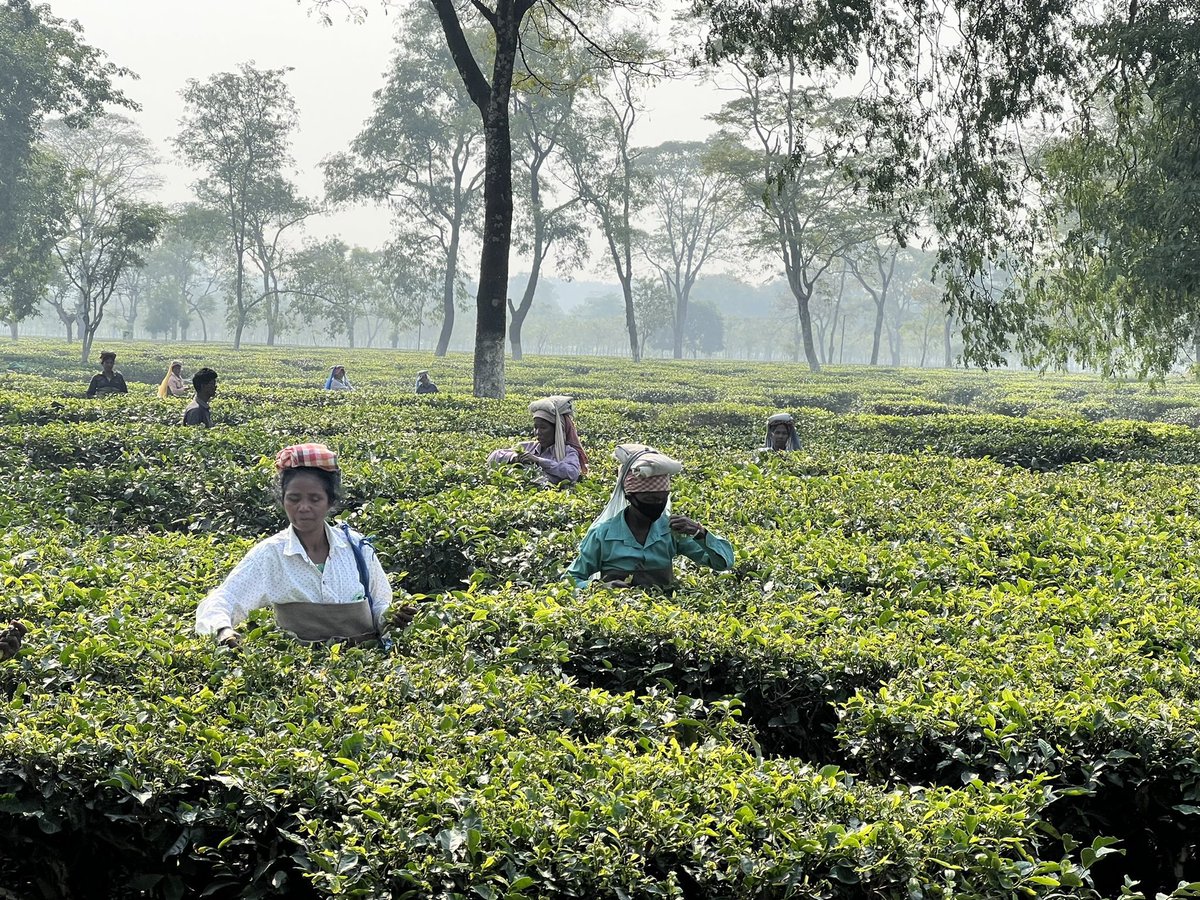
point(10, 639)
point(620, 583)
point(684, 525)
point(400, 617)
point(229, 638)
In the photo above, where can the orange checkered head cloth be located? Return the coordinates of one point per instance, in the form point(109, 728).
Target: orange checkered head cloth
point(313, 456)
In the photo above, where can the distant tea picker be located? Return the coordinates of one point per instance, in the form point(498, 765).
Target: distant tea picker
point(198, 412)
point(324, 583)
point(108, 380)
point(337, 380)
point(634, 540)
point(781, 433)
point(555, 455)
point(172, 384)
point(424, 385)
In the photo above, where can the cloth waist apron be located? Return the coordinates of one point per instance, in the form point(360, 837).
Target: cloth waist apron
point(641, 577)
point(313, 622)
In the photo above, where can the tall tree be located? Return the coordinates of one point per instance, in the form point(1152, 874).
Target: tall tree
point(790, 148)
point(694, 207)
point(281, 212)
point(107, 227)
point(185, 272)
point(602, 160)
point(873, 265)
point(1091, 256)
point(420, 152)
point(46, 69)
point(335, 283)
point(411, 286)
point(491, 95)
point(541, 115)
point(237, 129)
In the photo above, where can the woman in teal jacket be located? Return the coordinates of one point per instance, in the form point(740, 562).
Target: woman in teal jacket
point(635, 539)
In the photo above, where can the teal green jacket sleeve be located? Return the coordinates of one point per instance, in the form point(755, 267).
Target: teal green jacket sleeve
point(714, 551)
point(587, 563)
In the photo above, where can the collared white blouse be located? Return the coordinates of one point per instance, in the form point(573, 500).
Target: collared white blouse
point(278, 570)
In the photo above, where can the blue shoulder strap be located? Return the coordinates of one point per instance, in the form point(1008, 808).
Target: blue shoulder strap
point(360, 559)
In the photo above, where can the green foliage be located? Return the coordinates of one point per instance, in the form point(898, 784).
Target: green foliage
point(46, 69)
point(955, 655)
point(237, 132)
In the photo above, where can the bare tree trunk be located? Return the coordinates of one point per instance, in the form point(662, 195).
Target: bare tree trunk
point(443, 343)
point(492, 299)
point(681, 311)
point(271, 312)
point(875, 341)
point(240, 296)
point(1196, 343)
point(539, 251)
point(635, 346)
point(520, 312)
point(806, 332)
point(946, 341)
point(12, 329)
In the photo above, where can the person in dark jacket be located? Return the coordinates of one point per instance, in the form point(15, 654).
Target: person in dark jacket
point(424, 385)
point(109, 381)
point(197, 412)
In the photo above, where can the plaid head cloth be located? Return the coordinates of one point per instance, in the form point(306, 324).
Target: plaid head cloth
point(315, 456)
point(636, 483)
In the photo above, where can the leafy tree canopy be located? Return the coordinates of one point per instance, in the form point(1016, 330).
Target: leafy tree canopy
point(46, 70)
point(961, 97)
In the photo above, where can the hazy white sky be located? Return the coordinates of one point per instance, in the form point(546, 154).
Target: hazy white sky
point(336, 69)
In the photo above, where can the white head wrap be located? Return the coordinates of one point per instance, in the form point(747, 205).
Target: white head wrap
point(787, 419)
point(552, 409)
point(644, 460)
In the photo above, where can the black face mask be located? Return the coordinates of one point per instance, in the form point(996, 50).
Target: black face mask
point(650, 510)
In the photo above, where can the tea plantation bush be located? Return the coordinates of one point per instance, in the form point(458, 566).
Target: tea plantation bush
point(956, 655)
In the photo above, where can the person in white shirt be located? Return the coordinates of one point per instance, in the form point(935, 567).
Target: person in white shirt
point(323, 582)
point(337, 380)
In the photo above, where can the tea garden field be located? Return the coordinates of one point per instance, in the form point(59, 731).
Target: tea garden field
point(956, 656)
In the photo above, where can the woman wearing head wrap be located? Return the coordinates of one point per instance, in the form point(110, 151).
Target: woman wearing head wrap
point(172, 384)
point(781, 433)
point(634, 540)
point(324, 583)
point(556, 451)
point(337, 380)
point(424, 385)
